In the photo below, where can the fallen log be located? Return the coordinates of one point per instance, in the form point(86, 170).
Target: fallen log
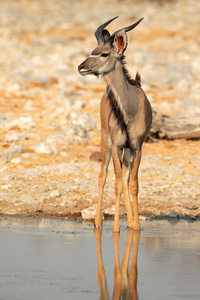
point(174, 127)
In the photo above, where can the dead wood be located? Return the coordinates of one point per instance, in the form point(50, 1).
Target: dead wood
point(174, 127)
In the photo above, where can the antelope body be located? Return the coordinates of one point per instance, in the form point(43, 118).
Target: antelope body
point(126, 118)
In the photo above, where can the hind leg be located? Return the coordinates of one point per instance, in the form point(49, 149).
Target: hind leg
point(126, 181)
point(116, 156)
point(135, 163)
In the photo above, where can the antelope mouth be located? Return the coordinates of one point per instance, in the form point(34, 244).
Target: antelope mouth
point(84, 72)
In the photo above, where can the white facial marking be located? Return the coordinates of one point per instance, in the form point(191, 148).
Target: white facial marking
point(94, 55)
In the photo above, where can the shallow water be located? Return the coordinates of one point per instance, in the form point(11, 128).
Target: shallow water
point(53, 259)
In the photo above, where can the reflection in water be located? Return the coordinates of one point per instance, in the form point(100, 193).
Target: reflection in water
point(48, 259)
point(125, 281)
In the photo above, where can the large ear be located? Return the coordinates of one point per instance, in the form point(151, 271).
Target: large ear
point(120, 42)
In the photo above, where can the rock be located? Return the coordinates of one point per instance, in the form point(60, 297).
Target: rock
point(45, 148)
point(68, 202)
point(170, 76)
point(85, 119)
point(24, 122)
point(110, 211)
point(142, 218)
point(72, 135)
point(33, 136)
point(11, 137)
point(174, 214)
point(89, 213)
point(16, 160)
point(14, 149)
point(41, 197)
point(6, 186)
point(4, 157)
point(4, 168)
point(69, 100)
point(192, 218)
point(55, 193)
point(29, 155)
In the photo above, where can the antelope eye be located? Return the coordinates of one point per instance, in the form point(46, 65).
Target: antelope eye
point(104, 54)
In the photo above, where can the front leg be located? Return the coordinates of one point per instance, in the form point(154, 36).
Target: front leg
point(105, 156)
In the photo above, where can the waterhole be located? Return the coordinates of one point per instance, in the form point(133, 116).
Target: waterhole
point(58, 259)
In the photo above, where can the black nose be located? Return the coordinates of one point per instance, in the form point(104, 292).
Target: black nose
point(80, 67)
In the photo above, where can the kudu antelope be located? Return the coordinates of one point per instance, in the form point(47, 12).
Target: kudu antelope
point(126, 118)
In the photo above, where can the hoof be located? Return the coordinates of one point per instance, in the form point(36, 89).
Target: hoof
point(97, 228)
point(97, 224)
point(130, 225)
point(136, 228)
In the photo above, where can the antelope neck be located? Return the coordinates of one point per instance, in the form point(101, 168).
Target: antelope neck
point(117, 82)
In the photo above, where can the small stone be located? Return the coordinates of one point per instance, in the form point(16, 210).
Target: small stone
point(86, 120)
point(16, 160)
point(27, 155)
point(42, 197)
point(72, 135)
point(174, 214)
point(4, 168)
point(142, 218)
point(6, 186)
point(55, 193)
point(26, 122)
point(110, 210)
point(171, 75)
point(14, 149)
point(89, 213)
point(44, 148)
point(68, 203)
point(192, 218)
point(11, 137)
point(4, 157)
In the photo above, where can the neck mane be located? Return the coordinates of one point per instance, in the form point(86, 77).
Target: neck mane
point(137, 80)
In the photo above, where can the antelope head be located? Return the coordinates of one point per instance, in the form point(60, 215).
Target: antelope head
point(110, 48)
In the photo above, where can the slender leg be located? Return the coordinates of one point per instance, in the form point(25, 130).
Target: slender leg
point(116, 155)
point(133, 269)
point(126, 180)
point(125, 265)
point(117, 270)
point(105, 155)
point(135, 162)
point(101, 272)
